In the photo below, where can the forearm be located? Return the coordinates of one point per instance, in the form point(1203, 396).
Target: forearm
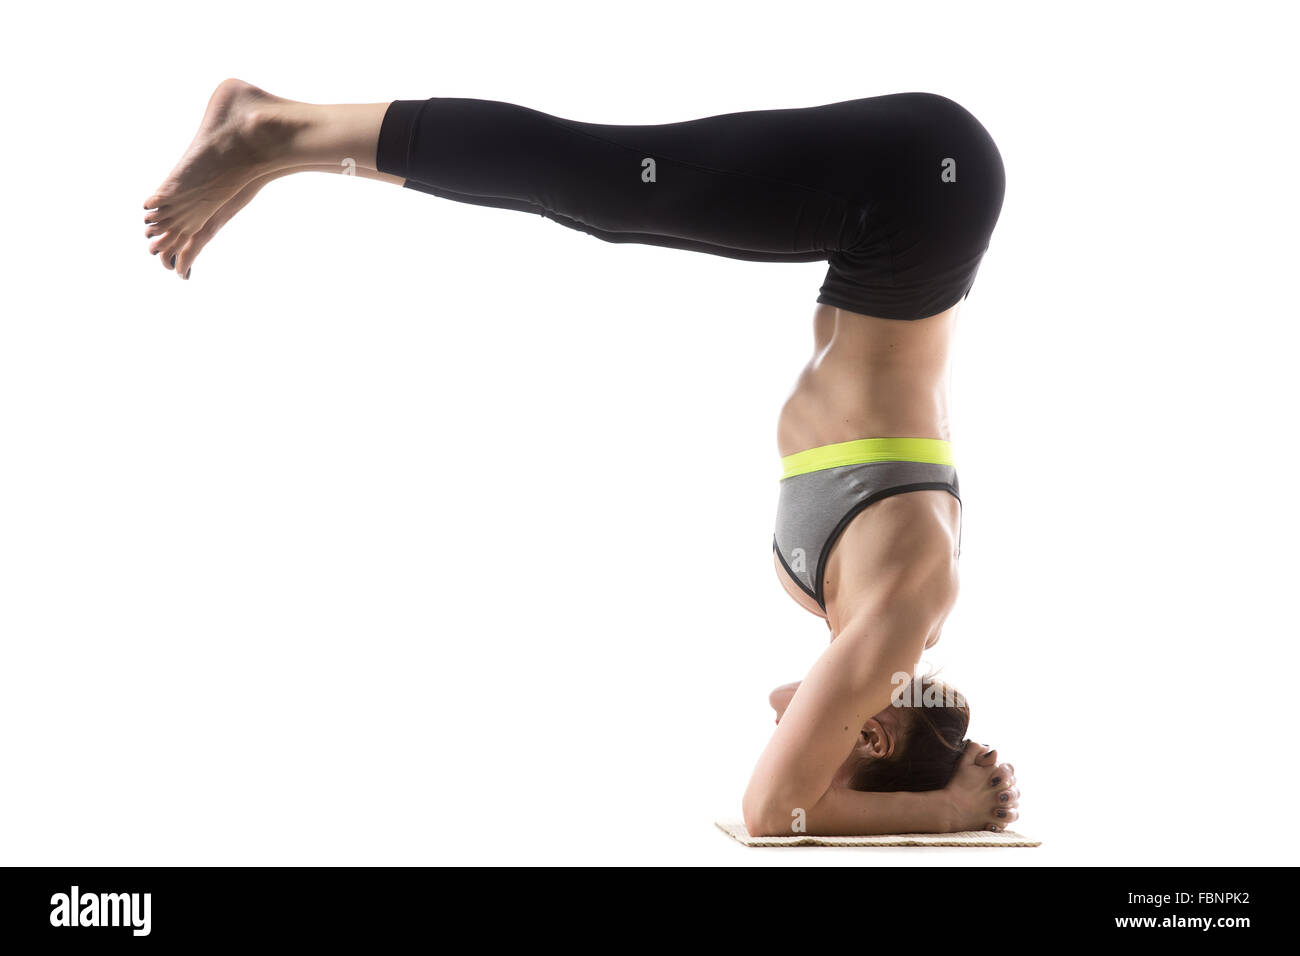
point(847, 812)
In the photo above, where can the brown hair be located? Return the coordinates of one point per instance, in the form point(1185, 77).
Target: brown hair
point(932, 741)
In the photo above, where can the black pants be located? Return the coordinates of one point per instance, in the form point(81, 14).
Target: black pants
point(898, 193)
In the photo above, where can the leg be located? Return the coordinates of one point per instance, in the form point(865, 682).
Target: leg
point(852, 183)
point(764, 185)
point(857, 183)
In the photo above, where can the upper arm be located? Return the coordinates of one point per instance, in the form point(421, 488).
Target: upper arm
point(851, 682)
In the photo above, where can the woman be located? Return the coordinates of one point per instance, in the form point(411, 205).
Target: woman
point(899, 194)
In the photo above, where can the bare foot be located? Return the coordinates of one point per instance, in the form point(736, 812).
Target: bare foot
point(244, 137)
point(189, 252)
point(203, 235)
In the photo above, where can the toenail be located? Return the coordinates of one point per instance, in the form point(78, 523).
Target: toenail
point(1002, 813)
point(1002, 798)
point(174, 266)
point(996, 780)
point(188, 271)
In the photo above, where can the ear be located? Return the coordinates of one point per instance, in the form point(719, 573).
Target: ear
point(879, 738)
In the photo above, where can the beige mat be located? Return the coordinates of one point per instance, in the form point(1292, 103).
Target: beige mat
point(738, 832)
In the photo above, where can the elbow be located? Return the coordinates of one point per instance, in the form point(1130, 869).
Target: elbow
point(762, 818)
point(764, 825)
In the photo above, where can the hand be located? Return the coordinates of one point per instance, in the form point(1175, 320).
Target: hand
point(982, 794)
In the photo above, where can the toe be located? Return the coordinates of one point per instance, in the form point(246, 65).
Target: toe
point(197, 245)
point(185, 257)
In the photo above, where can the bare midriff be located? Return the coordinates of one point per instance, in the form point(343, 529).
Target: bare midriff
point(870, 378)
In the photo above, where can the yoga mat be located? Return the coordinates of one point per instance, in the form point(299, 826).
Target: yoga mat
point(738, 833)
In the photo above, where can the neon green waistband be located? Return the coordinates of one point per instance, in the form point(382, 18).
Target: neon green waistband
point(931, 451)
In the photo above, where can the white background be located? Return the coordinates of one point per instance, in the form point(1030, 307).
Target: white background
point(410, 532)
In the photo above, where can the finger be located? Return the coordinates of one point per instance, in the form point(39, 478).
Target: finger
point(1004, 816)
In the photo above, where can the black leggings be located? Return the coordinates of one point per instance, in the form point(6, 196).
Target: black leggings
point(898, 193)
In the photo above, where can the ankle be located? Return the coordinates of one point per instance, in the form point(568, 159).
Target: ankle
point(275, 135)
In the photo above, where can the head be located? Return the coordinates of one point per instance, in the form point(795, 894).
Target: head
point(913, 744)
